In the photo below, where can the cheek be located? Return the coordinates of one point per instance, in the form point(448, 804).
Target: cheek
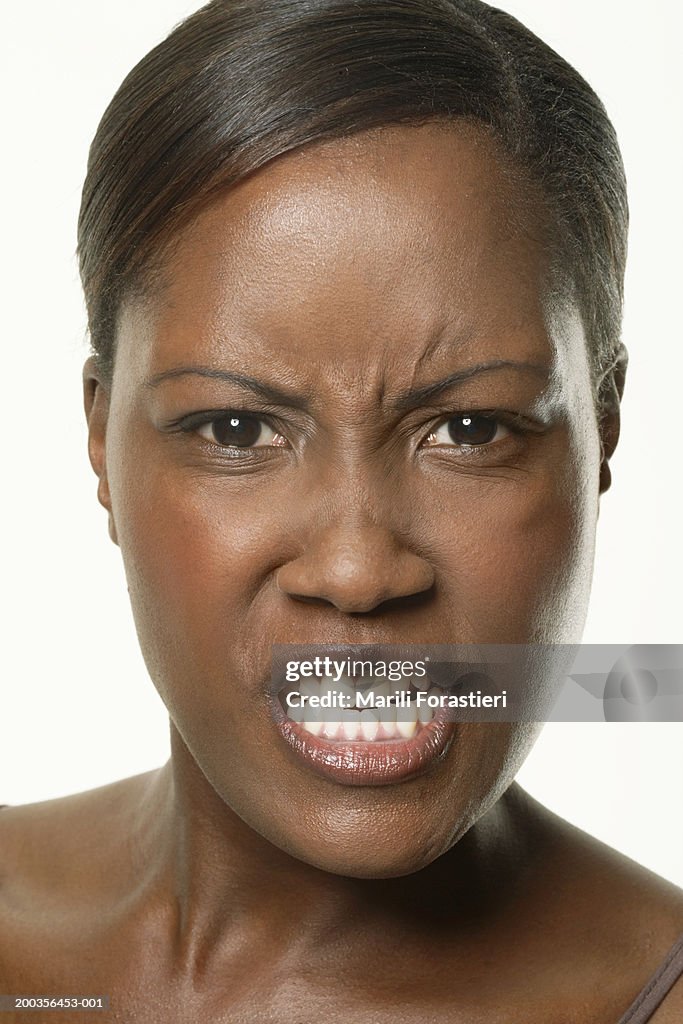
point(198, 552)
point(519, 554)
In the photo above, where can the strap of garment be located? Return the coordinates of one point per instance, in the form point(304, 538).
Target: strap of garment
point(657, 988)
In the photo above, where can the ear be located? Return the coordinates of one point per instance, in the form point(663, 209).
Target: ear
point(96, 403)
point(611, 393)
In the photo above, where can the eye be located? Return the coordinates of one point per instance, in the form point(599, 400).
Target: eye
point(240, 430)
point(468, 429)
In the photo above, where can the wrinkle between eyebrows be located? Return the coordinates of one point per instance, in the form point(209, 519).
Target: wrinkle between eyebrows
point(463, 339)
point(405, 401)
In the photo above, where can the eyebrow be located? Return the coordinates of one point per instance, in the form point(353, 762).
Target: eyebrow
point(407, 400)
point(242, 380)
point(415, 397)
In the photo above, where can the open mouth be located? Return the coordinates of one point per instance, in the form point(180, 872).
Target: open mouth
point(353, 710)
point(364, 731)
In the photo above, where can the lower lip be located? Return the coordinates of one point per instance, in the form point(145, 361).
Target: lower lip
point(378, 763)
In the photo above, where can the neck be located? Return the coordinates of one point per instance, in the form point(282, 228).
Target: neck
point(226, 884)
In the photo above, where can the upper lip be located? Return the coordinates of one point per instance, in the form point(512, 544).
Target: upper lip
point(373, 649)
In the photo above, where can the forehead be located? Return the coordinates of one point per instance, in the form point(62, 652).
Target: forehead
point(380, 245)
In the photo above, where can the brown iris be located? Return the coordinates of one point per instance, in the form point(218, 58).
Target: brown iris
point(469, 428)
point(237, 430)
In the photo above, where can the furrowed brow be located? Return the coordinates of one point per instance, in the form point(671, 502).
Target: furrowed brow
point(416, 397)
point(241, 380)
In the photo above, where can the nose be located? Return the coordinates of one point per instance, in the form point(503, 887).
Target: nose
point(355, 567)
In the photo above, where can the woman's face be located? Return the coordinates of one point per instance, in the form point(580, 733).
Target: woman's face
point(345, 307)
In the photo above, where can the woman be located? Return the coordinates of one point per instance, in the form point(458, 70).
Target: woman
point(354, 276)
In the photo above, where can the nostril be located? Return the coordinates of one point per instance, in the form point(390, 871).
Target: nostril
point(305, 598)
point(416, 600)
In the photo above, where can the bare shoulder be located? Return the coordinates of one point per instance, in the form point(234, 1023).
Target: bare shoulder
point(607, 885)
point(55, 841)
point(64, 864)
point(616, 920)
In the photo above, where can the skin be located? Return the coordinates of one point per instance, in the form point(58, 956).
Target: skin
point(346, 274)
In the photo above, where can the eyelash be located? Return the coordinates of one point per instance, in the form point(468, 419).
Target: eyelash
point(194, 423)
point(511, 422)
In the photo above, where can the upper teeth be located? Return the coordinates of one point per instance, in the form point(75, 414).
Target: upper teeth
point(353, 723)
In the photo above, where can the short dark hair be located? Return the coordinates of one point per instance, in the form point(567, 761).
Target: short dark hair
point(241, 82)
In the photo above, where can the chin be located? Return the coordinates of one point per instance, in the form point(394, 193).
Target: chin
point(389, 846)
point(371, 860)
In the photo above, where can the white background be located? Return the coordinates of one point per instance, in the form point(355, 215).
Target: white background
point(77, 708)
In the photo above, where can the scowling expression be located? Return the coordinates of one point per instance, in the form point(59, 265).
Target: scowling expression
point(354, 411)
